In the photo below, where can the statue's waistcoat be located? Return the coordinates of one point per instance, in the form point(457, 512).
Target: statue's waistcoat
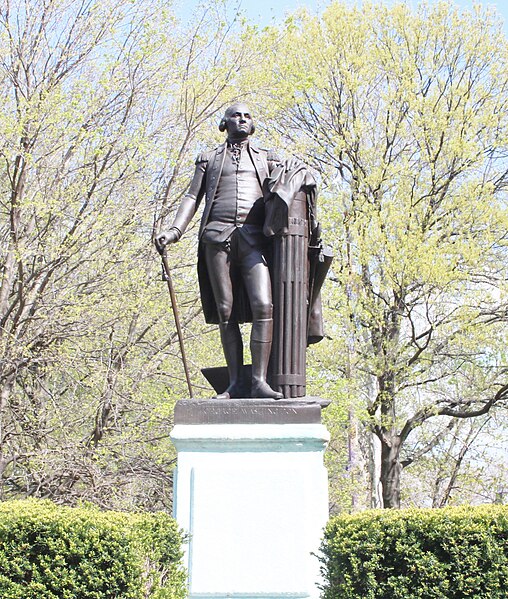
point(214, 169)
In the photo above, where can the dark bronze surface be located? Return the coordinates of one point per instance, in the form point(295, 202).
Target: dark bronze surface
point(258, 218)
point(290, 274)
point(248, 411)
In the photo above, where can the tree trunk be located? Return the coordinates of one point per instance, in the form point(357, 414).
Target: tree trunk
point(390, 472)
point(376, 500)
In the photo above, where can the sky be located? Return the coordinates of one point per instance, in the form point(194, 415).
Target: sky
point(263, 11)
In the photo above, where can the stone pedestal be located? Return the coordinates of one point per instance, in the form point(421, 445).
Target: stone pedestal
point(251, 491)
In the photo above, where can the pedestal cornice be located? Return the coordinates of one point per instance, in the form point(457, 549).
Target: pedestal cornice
point(249, 411)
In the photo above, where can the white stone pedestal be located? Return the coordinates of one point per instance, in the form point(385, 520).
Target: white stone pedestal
point(251, 490)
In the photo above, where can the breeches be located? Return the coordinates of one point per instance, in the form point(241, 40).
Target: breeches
point(237, 258)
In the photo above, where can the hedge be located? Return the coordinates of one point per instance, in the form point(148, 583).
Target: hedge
point(54, 552)
point(449, 553)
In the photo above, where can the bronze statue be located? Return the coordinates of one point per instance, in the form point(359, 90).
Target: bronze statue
point(238, 180)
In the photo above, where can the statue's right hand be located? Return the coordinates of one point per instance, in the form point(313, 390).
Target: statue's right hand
point(165, 238)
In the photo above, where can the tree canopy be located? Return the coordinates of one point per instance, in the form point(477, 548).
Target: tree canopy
point(404, 115)
point(401, 113)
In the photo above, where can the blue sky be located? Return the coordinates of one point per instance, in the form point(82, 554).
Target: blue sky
point(263, 11)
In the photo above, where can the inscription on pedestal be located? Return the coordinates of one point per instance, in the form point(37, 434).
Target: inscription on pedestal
point(247, 411)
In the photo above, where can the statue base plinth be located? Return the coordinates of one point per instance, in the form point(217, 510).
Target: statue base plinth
point(252, 492)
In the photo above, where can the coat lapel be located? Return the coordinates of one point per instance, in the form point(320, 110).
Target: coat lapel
point(259, 160)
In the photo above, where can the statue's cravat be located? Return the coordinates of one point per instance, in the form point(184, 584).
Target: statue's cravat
point(235, 148)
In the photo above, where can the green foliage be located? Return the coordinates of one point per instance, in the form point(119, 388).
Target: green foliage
point(104, 107)
point(53, 552)
point(453, 553)
point(402, 113)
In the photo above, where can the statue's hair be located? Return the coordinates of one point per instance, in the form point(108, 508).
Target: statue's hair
point(222, 124)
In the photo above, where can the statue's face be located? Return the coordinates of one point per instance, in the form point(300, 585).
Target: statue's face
point(238, 121)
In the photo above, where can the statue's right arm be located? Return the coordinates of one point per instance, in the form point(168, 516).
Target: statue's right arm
point(187, 208)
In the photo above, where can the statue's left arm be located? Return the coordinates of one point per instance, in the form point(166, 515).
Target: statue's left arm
point(273, 160)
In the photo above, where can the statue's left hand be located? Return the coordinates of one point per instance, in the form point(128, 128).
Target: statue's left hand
point(292, 163)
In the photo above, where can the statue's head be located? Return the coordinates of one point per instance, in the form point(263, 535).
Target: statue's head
point(237, 121)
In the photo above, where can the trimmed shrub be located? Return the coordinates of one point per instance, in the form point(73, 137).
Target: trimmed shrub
point(448, 553)
point(53, 552)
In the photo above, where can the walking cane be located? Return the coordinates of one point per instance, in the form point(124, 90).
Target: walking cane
point(166, 275)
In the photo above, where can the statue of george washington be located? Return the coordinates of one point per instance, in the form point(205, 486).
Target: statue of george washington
point(242, 185)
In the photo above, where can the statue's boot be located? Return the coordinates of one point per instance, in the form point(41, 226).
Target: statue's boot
point(260, 347)
point(232, 346)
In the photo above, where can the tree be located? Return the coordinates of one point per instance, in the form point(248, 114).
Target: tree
point(466, 463)
point(404, 116)
point(104, 104)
